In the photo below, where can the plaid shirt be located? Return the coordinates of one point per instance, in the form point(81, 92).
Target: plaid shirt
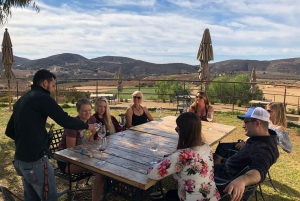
point(259, 153)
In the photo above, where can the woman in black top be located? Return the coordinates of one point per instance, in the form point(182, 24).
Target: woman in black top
point(137, 114)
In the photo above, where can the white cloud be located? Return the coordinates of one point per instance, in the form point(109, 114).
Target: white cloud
point(163, 35)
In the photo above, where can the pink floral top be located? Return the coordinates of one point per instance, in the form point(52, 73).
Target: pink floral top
point(193, 171)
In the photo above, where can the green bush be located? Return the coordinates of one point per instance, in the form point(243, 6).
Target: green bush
point(4, 99)
point(3, 104)
point(121, 99)
point(126, 100)
point(293, 111)
point(66, 105)
point(239, 102)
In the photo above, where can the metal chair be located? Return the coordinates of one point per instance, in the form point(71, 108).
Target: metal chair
point(7, 195)
point(183, 97)
point(55, 137)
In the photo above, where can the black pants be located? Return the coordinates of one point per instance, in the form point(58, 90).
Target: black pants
point(172, 195)
point(222, 149)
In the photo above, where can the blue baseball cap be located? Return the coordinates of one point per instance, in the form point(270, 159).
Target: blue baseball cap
point(256, 113)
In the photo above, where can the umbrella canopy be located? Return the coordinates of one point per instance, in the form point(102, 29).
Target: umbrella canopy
point(120, 86)
point(253, 79)
point(7, 57)
point(205, 54)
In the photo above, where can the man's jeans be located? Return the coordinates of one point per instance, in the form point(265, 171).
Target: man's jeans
point(33, 179)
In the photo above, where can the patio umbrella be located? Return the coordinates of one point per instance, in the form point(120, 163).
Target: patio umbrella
point(120, 86)
point(253, 79)
point(205, 54)
point(7, 60)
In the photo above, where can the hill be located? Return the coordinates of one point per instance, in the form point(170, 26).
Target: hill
point(76, 66)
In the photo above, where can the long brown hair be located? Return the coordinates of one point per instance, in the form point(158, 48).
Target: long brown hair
point(204, 96)
point(190, 134)
point(280, 115)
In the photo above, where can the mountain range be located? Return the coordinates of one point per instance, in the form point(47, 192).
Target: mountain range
point(76, 66)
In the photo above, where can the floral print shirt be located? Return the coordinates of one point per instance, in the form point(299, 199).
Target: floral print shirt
point(193, 172)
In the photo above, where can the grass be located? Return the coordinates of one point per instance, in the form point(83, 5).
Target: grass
point(285, 172)
point(148, 92)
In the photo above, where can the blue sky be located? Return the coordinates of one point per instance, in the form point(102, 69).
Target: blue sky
point(158, 31)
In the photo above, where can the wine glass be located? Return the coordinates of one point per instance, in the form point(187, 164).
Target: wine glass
point(101, 148)
point(158, 113)
point(153, 146)
point(209, 117)
point(122, 121)
point(102, 132)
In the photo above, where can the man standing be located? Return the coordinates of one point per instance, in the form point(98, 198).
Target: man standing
point(259, 153)
point(26, 127)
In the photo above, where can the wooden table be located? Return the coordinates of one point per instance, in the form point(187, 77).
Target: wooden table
point(127, 155)
point(166, 128)
point(259, 102)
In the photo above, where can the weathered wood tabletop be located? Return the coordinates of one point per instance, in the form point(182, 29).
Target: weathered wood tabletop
point(128, 155)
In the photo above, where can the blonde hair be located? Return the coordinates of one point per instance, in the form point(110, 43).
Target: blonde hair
point(279, 113)
point(204, 96)
point(138, 92)
point(106, 116)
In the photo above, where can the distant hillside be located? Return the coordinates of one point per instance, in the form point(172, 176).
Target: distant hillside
point(76, 66)
point(18, 60)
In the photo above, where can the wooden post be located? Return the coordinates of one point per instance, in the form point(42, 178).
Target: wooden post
point(97, 88)
point(9, 95)
point(139, 85)
point(17, 90)
point(233, 97)
point(284, 96)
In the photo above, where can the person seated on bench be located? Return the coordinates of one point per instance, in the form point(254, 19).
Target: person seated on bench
point(260, 152)
point(201, 106)
point(73, 138)
point(191, 164)
point(102, 115)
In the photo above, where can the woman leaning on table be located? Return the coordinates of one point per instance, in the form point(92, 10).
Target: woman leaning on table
point(137, 114)
point(72, 138)
point(102, 115)
point(191, 165)
point(201, 106)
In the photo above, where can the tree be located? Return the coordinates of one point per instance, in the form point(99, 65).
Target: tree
point(166, 88)
point(6, 5)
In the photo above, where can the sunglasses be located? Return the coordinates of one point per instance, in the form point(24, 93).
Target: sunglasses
point(177, 129)
point(138, 97)
point(269, 111)
point(199, 97)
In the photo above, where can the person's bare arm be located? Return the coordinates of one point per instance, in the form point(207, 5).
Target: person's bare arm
point(70, 141)
point(190, 109)
point(211, 109)
point(237, 187)
point(128, 116)
point(149, 116)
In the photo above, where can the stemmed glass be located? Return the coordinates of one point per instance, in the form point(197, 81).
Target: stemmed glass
point(122, 121)
point(101, 148)
point(209, 118)
point(101, 132)
point(158, 113)
point(153, 146)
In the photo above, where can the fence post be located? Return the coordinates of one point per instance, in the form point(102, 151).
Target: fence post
point(97, 88)
point(139, 85)
point(284, 96)
point(17, 90)
point(233, 97)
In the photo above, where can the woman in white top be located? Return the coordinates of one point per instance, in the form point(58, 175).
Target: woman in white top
point(191, 164)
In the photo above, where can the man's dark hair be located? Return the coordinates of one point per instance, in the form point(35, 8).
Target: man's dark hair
point(42, 75)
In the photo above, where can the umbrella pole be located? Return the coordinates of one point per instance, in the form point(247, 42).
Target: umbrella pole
point(9, 96)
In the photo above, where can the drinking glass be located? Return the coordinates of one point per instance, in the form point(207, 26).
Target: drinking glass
point(101, 132)
point(158, 113)
point(209, 118)
point(122, 122)
point(153, 146)
point(101, 148)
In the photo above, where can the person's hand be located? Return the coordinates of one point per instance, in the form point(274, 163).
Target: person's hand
point(239, 145)
point(92, 128)
point(236, 189)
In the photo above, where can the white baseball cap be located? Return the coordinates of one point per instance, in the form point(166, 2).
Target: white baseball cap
point(256, 113)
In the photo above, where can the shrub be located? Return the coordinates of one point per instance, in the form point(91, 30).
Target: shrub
point(73, 100)
point(3, 104)
point(66, 105)
point(293, 111)
point(126, 100)
point(239, 102)
point(121, 99)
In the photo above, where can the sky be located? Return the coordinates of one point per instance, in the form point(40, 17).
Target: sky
point(157, 31)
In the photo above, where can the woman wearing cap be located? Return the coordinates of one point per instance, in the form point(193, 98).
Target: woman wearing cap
point(201, 106)
point(137, 114)
point(278, 124)
point(191, 164)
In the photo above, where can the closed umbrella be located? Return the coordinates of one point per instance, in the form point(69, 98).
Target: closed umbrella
point(7, 60)
point(205, 54)
point(120, 86)
point(253, 80)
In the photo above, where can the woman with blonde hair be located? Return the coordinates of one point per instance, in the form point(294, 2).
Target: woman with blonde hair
point(278, 123)
point(137, 114)
point(102, 115)
point(201, 106)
